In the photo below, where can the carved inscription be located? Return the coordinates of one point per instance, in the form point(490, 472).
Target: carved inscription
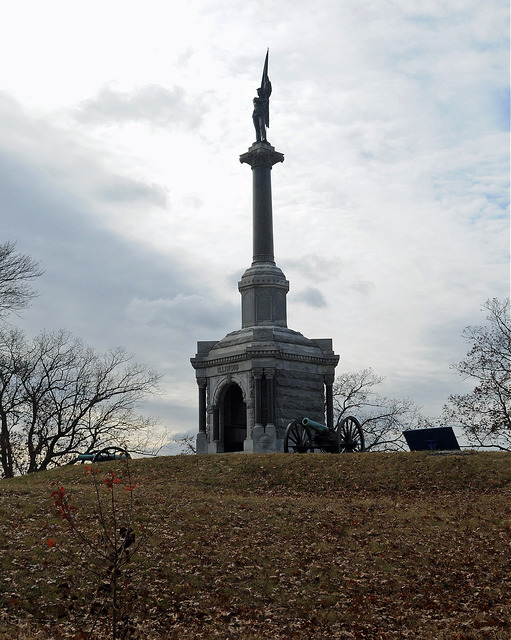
point(228, 368)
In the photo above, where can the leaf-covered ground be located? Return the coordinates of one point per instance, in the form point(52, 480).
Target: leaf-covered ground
point(402, 545)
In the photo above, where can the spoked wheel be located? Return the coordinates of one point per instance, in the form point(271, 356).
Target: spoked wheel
point(350, 435)
point(110, 453)
point(298, 438)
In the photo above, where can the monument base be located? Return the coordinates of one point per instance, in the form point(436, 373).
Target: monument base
point(215, 447)
point(263, 440)
point(201, 443)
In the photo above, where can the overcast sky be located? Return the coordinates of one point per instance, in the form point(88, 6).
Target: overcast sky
point(121, 126)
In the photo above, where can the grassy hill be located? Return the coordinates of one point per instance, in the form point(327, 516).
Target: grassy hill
point(401, 545)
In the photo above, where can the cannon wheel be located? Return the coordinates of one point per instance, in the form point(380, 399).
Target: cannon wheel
point(111, 452)
point(350, 435)
point(298, 438)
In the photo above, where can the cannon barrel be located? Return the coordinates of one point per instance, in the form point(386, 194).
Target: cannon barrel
point(85, 456)
point(316, 426)
point(110, 453)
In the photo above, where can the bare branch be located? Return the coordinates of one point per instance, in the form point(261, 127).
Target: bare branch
point(485, 413)
point(16, 273)
point(382, 419)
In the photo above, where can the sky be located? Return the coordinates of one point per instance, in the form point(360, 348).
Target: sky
point(121, 126)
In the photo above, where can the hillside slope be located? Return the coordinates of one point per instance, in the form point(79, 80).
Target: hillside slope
point(401, 545)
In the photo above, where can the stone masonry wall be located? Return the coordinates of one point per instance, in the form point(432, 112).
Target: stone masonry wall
point(298, 394)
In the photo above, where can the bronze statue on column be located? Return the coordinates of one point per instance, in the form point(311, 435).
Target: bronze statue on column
point(261, 113)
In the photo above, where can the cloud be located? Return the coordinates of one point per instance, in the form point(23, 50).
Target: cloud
point(151, 104)
point(127, 190)
point(39, 154)
point(312, 297)
point(185, 313)
point(59, 209)
point(313, 266)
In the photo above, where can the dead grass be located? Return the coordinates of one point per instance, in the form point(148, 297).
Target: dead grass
point(277, 546)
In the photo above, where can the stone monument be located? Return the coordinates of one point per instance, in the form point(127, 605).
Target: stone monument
point(256, 380)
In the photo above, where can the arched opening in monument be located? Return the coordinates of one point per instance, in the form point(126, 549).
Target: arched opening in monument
point(234, 419)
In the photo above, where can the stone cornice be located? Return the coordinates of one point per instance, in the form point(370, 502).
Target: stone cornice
point(254, 353)
point(261, 154)
point(263, 280)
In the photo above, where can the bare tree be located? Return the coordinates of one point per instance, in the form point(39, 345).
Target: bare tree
point(11, 400)
point(184, 441)
point(16, 273)
point(484, 414)
point(382, 419)
point(58, 398)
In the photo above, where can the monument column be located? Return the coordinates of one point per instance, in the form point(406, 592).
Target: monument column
point(251, 444)
point(329, 385)
point(258, 374)
point(262, 221)
point(216, 423)
point(270, 430)
point(263, 286)
point(202, 384)
point(261, 157)
point(269, 374)
point(202, 438)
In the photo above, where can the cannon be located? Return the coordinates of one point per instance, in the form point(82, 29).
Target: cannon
point(305, 435)
point(103, 455)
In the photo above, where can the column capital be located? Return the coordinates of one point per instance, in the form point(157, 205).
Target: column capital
point(202, 382)
point(257, 373)
point(261, 154)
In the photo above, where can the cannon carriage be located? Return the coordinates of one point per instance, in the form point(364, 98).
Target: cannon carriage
point(306, 436)
point(104, 455)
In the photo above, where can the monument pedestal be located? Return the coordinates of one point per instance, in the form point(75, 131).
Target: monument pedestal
point(259, 379)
